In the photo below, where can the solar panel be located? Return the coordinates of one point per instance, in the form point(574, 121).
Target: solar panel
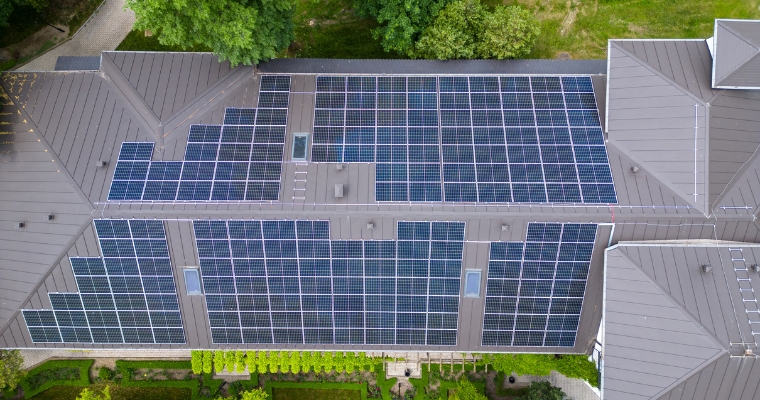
point(240, 160)
point(126, 296)
point(288, 282)
point(535, 289)
point(467, 139)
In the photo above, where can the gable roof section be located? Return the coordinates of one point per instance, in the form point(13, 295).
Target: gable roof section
point(166, 82)
point(33, 184)
point(661, 108)
point(650, 342)
point(657, 122)
point(737, 54)
point(674, 328)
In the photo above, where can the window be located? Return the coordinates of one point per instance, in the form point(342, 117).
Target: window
point(472, 284)
point(300, 146)
point(192, 281)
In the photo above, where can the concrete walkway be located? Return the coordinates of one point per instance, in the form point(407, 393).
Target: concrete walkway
point(104, 31)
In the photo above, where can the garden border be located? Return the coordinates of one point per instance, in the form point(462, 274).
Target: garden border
point(127, 381)
point(84, 376)
point(361, 387)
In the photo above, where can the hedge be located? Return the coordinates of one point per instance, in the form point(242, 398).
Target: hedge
point(569, 365)
point(193, 385)
point(84, 376)
point(316, 385)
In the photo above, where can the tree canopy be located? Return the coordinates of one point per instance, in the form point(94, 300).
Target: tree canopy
point(6, 8)
point(401, 21)
point(465, 29)
point(241, 31)
point(10, 368)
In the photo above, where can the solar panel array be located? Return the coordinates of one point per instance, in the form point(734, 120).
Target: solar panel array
point(239, 160)
point(287, 282)
point(467, 139)
point(126, 296)
point(534, 290)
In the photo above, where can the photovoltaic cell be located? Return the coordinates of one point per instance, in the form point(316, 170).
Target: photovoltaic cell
point(534, 290)
point(467, 139)
point(288, 282)
point(126, 296)
point(240, 160)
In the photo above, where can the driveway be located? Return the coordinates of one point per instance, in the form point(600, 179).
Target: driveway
point(104, 31)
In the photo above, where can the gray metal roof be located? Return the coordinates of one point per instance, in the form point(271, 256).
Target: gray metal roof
point(77, 63)
point(737, 54)
point(669, 327)
point(80, 118)
point(663, 114)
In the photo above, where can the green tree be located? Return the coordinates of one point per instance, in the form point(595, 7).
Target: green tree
point(296, 362)
point(261, 362)
point(467, 391)
point(10, 368)
point(6, 8)
point(284, 361)
point(272, 361)
point(401, 21)
point(229, 360)
point(242, 31)
point(543, 391)
point(88, 394)
point(454, 34)
point(208, 362)
point(509, 32)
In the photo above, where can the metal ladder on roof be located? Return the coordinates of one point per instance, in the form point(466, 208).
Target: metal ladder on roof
point(741, 271)
point(299, 183)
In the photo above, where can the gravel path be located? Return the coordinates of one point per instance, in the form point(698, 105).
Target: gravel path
point(104, 31)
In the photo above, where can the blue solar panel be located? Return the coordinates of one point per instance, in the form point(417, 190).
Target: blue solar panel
point(240, 160)
point(467, 139)
point(287, 282)
point(535, 289)
point(127, 296)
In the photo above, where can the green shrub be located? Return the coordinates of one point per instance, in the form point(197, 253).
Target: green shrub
point(218, 361)
point(569, 365)
point(105, 374)
point(239, 361)
point(543, 391)
point(196, 360)
point(88, 394)
point(10, 366)
point(208, 361)
point(56, 373)
point(229, 360)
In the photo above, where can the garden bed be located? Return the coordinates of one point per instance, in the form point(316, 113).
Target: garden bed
point(118, 393)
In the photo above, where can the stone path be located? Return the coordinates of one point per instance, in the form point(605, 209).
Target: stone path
point(104, 31)
point(33, 357)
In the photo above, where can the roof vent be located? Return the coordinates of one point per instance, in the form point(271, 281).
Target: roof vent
point(102, 163)
point(504, 228)
point(339, 166)
point(706, 268)
point(20, 225)
point(635, 169)
point(755, 267)
point(338, 190)
point(370, 225)
point(748, 352)
point(50, 217)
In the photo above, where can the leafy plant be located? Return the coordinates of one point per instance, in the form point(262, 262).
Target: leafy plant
point(208, 362)
point(10, 368)
point(239, 361)
point(242, 31)
point(569, 365)
point(229, 360)
point(218, 361)
point(104, 373)
point(88, 394)
point(196, 360)
point(255, 394)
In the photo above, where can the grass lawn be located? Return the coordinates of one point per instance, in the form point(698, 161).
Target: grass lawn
point(315, 394)
point(117, 393)
point(581, 27)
